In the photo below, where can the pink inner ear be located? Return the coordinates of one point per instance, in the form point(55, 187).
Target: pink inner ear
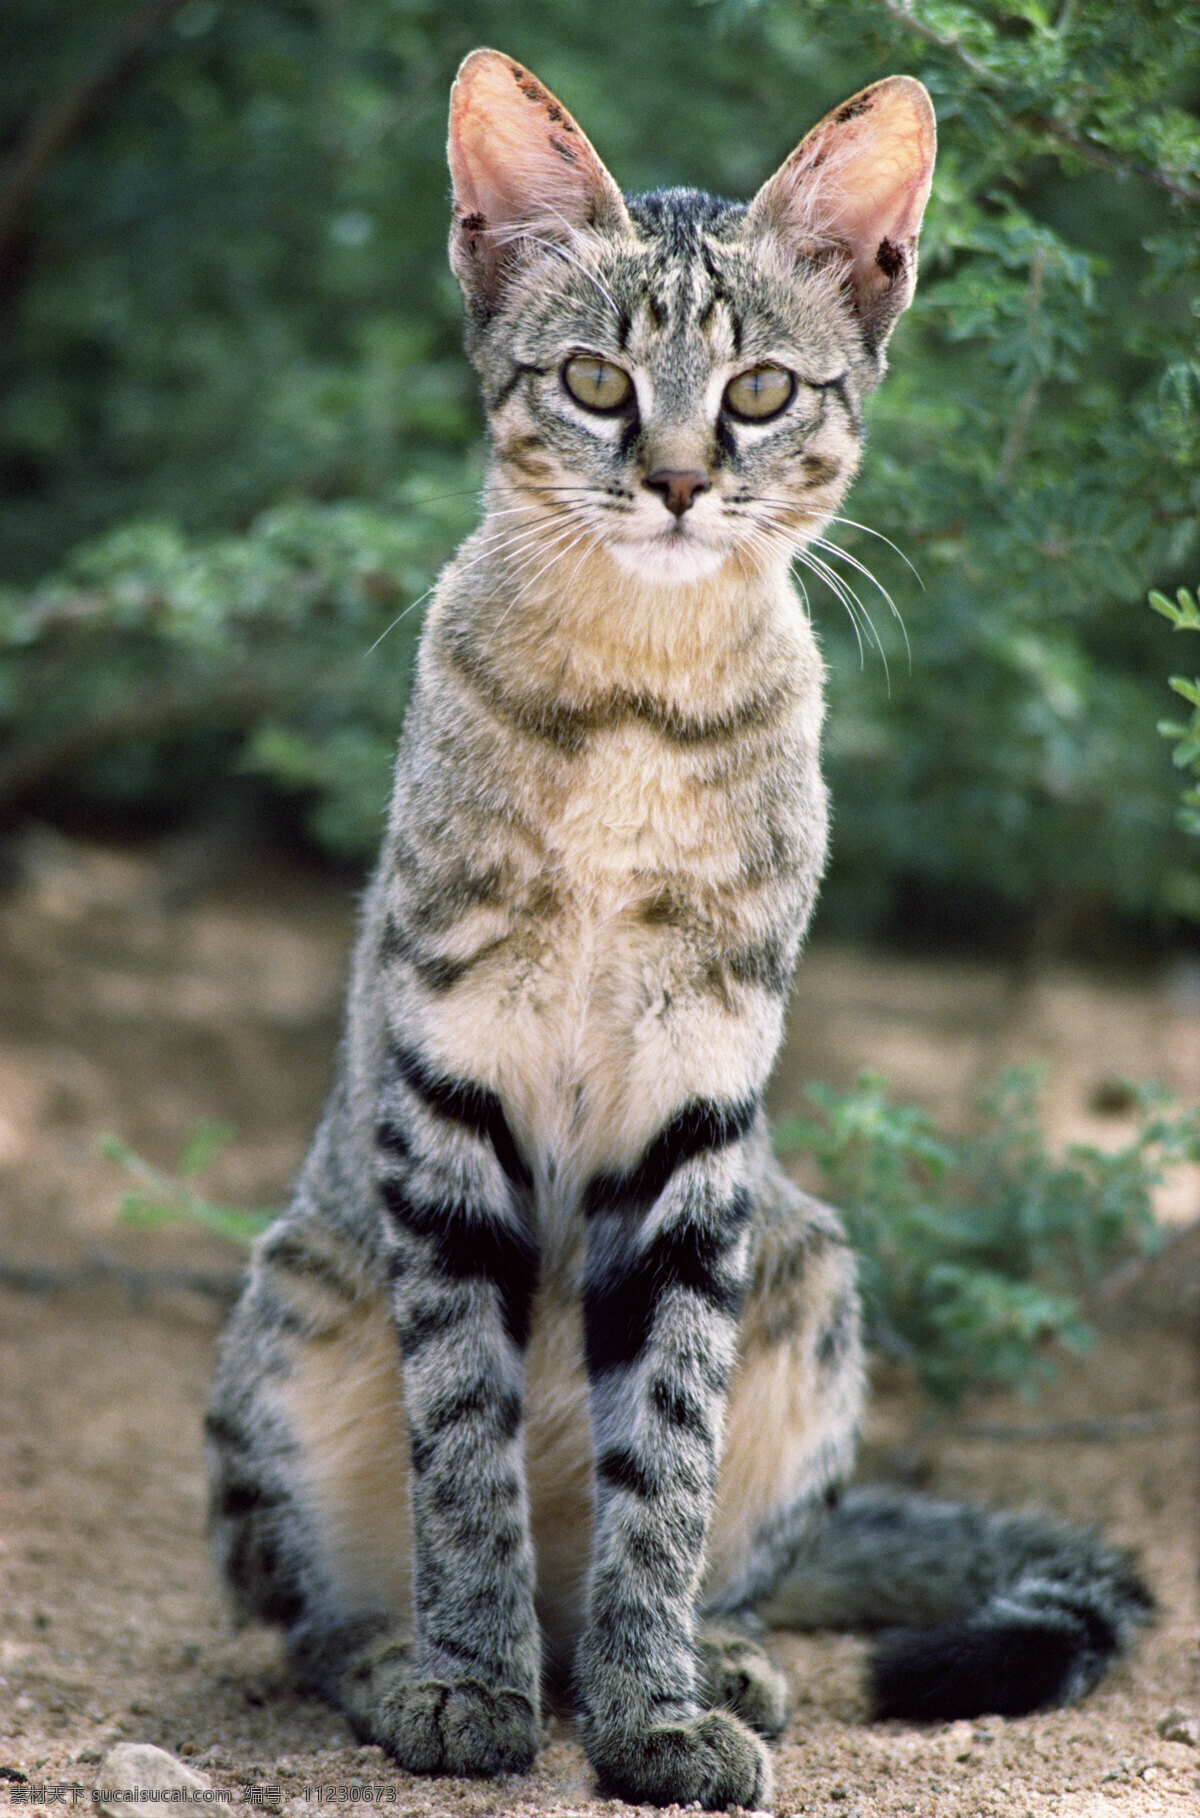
point(886, 187)
point(517, 158)
point(861, 178)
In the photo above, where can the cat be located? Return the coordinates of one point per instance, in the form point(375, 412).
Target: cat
point(547, 1381)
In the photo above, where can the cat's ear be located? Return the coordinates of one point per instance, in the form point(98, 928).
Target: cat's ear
point(521, 170)
point(855, 188)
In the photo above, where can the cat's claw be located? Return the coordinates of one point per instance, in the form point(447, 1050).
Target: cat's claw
point(712, 1760)
point(459, 1728)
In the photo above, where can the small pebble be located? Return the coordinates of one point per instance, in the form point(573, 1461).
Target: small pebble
point(139, 1764)
point(1180, 1726)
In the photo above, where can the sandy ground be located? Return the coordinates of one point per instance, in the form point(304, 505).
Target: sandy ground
point(141, 993)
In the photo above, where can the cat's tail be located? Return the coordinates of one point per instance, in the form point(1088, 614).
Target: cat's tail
point(980, 1612)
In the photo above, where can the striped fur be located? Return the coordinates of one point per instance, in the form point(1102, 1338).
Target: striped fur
point(547, 1358)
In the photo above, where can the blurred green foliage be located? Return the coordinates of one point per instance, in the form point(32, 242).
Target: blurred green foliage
point(163, 1199)
point(237, 437)
point(975, 1251)
point(1184, 614)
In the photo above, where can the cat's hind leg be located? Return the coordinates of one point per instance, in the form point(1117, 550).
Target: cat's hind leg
point(983, 1611)
point(308, 1493)
point(794, 1402)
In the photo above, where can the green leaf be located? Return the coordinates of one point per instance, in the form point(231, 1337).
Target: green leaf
point(166, 1199)
point(202, 1146)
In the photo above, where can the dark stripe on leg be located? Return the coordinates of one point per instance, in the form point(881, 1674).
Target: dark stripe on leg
point(227, 1433)
point(477, 1400)
point(463, 1102)
point(468, 1244)
point(620, 1308)
point(679, 1410)
point(701, 1126)
point(239, 1497)
point(428, 1321)
point(391, 1139)
point(621, 1469)
point(288, 1252)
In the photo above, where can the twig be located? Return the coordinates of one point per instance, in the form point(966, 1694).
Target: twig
point(64, 119)
point(1018, 429)
point(1117, 1426)
point(1134, 1269)
point(900, 11)
point(166, 714)
point(34, 1278)
point(1106, 160)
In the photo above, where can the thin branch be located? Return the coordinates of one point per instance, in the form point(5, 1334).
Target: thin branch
point(64, 119)
point(1106, 160)
point(1018, 429)
point(1183, 1241)
point(900, 11)
point(222, 1285)
point(1118, 1426)
point(157, 716)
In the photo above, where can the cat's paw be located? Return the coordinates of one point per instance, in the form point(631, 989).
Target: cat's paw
point(712, 1760)
point(736, 1674)
point(461, 1728)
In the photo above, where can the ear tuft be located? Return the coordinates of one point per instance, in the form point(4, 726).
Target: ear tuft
point(521, 168)
point(856, 188)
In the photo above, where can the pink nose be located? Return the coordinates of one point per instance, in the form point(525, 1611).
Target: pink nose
point(678, 489)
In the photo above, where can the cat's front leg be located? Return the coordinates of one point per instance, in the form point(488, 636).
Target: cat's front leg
point(665, 1274)
point(463, 1264)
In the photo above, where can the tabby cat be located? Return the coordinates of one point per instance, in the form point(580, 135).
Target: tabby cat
point(546, 1381)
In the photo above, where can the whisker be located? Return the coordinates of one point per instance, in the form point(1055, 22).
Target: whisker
point(842, 590)
point(530, 536)
point(832, 549)
point(554, 556)
point(850, 611)
point(764, 499)
point(867, 531)
point(805, 554)
point(436, 498)
point(402, 614)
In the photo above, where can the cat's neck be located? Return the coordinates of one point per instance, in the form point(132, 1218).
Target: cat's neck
point(556, 615)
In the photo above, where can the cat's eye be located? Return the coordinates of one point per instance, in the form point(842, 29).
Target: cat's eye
point(761, 392)
point(596, 383)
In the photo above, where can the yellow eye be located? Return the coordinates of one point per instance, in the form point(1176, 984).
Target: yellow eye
point(762, 392)
point(596, 383)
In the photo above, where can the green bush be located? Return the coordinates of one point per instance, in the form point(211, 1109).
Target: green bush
point(285, 652)
point(975, 1250)
point(162, 1199)
point(226, 296)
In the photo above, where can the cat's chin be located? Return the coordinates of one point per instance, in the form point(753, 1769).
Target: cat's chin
point(670, 561)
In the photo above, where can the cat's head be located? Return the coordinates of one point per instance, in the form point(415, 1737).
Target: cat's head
point(678, 377)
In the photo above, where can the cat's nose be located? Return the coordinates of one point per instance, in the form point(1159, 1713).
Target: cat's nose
point(678, 489)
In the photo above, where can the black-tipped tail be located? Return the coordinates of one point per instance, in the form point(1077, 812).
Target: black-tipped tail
point(1002, 1669)
point(976, 1611)
point(1036, 1644)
